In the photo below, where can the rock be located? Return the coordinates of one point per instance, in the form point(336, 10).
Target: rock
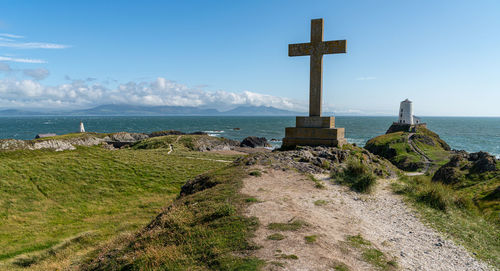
point(483, 162)
point(165, 133)
point(254, 142)
point(127, 137)
point(57, 145)
point(209, 143)
point(462, 163)
point(448, 175)
point(13, 144)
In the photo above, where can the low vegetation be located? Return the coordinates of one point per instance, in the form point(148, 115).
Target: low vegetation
point(460, 212)
point(395, 148)
point(57, 206)
point(358, 176)
point(276, 237)
point(317, 183)
point(320, 202)
point(200, 231)
point(370, 254)
point(310, 239)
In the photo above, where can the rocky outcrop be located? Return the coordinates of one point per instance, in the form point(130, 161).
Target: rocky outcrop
point(210, 143)
point(13, 144)
point(254, 142)
point(69, 143)
point(166, 133)
point(462, 164)
point(57, 145)
point(482, 162)
point(126, 137)
point(319, 159)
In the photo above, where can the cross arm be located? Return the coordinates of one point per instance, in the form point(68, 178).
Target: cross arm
point(333, 47)
point(299, 49)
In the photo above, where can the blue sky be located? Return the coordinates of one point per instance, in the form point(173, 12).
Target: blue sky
point(443, 55)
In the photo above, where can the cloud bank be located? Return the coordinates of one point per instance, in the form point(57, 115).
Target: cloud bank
point(30, 93)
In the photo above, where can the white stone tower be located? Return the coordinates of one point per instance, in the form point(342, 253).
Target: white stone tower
point(82, 129)
point(406, 112)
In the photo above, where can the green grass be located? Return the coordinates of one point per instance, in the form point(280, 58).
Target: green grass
point(290, 226)
point(72, 136)
point(201, 231)
point(371, 254)
point(357, 176)
point(310, 239)
point(454, 213)
point(320, 202)
point(395, 147)
point(48, 197)
point(255, 173)
point(317, 183)
point(340, 267)
point(276, 237)
point(251, 199)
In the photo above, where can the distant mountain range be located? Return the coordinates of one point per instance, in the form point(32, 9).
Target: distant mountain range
point(138, 110)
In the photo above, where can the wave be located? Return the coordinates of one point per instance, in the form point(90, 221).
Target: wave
point(214, 132)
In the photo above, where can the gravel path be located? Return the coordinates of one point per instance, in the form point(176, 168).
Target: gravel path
point(382, 218)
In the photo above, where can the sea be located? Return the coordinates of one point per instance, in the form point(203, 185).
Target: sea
point(461, 133)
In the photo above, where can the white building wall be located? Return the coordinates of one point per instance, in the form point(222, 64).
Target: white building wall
point(406, 112)
point(82, 129)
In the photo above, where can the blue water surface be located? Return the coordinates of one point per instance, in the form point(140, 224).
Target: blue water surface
point(468, 133)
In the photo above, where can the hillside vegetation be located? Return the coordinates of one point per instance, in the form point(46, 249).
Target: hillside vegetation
point(401, 148)
point(56, 206)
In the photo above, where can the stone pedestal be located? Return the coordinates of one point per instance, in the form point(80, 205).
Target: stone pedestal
point(314, 131)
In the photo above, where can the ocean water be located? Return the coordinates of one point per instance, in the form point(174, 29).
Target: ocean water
point(463, 133)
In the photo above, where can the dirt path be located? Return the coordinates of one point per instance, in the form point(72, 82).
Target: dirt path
point(171, 146)
point(382, 218)
point(415, 148)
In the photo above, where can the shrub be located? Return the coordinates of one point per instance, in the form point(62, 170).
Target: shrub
point(311, 239)
point(255, 173)
point(357, 176)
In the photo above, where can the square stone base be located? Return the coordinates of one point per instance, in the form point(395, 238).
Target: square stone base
point(333, 137)
point(315, 122)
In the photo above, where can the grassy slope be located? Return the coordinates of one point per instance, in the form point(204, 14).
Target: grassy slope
point(202, 231)
point(47, 197)
point(394, 147)
point(456, 213)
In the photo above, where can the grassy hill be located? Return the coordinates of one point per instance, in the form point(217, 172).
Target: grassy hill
point(401, 148)
point(56, 206)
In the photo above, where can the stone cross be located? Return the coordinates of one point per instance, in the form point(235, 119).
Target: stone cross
point(316, 49)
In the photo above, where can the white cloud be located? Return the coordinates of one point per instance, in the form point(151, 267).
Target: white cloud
point(33, 45)
point(81, 93)
point(12, 36)
point(10, 41)
point(37, 74)
point(21, 60)
point(366, 78)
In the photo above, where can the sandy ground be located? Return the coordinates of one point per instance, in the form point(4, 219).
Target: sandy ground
point(382, 218)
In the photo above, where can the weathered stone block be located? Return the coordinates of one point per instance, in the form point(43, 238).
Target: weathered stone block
point(315, 122)
point(314, 136)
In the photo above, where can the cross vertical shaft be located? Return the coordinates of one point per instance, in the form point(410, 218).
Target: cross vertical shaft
point(316, 71)
point(316, 49)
